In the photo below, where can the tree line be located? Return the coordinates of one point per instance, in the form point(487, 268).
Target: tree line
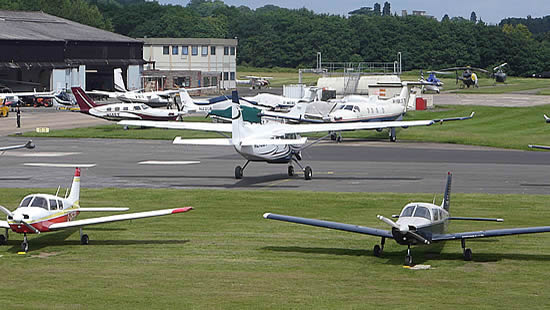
point(271, 36)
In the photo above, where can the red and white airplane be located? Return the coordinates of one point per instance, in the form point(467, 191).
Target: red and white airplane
point(122, 111)
point(39, 213)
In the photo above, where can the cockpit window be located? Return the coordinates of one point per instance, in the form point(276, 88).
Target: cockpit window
point(145, 107)
point(60, 204)
point(422, 212)
point(348, 107)
point(137, 108)
point(407, 212)
point(53, 204)
point(40, 203)
point(25, 202)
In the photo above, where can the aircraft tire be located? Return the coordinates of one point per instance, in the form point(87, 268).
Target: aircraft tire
point(377, 251)
point(238, 172)
point(25, 246)
point(308, 173)
point(3, 240)
point(290, 171)
point(408, 260)
point(84, 240)
point(467, 255)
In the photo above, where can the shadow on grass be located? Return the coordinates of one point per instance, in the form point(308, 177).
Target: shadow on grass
point(60, 239)
point(420, 254)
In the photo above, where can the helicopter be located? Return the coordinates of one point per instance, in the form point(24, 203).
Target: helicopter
point(468, 77)
point(498, 74)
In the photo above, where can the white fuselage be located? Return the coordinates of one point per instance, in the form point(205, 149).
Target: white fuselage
point(40, 211)
point(132, 111)
point(368, 109)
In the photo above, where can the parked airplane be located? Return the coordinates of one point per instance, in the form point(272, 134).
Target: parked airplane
point(28, 145)
point(271, 142)
point(366, 109)
point(255, 81)
point(39, 213)
point(121, 111)
point(419, 223)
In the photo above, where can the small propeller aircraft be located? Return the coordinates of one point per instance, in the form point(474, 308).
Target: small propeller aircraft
point(29, 145)
point(121, 111)
point(418, 224)
point(499, 75)
point(271, 142)
point(255, 81)
point(364, 109)
point(40, 213)
point(468, 77)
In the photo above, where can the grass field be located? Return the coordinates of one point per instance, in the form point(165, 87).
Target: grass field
point(225, 255)
point(285, 76)
point(492, 126)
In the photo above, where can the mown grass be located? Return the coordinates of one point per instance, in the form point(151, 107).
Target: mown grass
point(225, 255)
point(513, 128)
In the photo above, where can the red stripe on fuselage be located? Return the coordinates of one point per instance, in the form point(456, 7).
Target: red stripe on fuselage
point(43, 226)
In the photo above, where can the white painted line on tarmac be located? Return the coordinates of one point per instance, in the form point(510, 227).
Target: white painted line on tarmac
point(168, 162)
point(41, 154)
point(59, 165)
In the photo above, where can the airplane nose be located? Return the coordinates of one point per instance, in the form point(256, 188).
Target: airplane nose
point(18, 218)
point(404, 228)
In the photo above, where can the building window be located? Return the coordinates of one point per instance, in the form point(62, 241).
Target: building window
point(185, 50)
point(214, 81)
point(226, 50)
point(212, 50)
point(226, 76)
point(175, 50)
point(206, 81)
point(194, 50)
point(232, 51)
point(232, 76)
point(183, 81)
point(165, 50)
point(204, 50)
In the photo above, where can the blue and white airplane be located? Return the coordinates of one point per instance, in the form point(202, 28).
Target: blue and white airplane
point(419, 223)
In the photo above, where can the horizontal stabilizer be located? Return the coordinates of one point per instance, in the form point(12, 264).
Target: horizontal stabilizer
point(4, 224)
point(117, 218)
point(99, 209)
point(201, 126)
point(254, 141)
point(221, 141)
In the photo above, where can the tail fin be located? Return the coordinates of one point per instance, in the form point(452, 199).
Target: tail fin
point(119, 81)
point(298, 111)
point(84, 102)
point(446, 204)
point(74, 196)
point(236, 118)
point(188, 105)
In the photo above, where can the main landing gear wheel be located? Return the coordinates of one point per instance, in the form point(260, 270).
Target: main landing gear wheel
point(3, 240)
point(467, 255)
point(393, 136)
point(308, 173)
point(25, 244)
point(377, 251)
point(238, 172)
point(84, 240)
point(408, 260)
point(290, 171)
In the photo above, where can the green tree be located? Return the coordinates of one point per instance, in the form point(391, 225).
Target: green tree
point(386, 11)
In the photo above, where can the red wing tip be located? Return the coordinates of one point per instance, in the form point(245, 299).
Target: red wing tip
point(180, 210)
point(77, 172)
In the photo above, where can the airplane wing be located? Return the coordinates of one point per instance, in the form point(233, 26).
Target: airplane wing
point(331, 225)
point(542, 147)
point(117, 218)
point(201, 126)
point(4, 224)
point(260, 141)
point(441, 120)
point(28, 145)
point(305, 128)
point(221, 141)
point(491, 233)
point(546, 118)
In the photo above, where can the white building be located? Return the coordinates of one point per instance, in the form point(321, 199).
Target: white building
point(190, 62)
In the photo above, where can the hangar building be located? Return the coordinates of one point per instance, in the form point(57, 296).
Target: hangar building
point(190, 62)
point(44, 52)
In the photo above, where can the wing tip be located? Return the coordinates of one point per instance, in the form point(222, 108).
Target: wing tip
point(266, 215)
point(181, 210)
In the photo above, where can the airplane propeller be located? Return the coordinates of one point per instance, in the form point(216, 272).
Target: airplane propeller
point(18, 218)
point(403, 229)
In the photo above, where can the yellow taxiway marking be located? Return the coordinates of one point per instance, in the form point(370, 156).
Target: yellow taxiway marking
point(21, 253)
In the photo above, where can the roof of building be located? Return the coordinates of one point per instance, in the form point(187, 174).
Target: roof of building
point(191, 41)
point(39, 26)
